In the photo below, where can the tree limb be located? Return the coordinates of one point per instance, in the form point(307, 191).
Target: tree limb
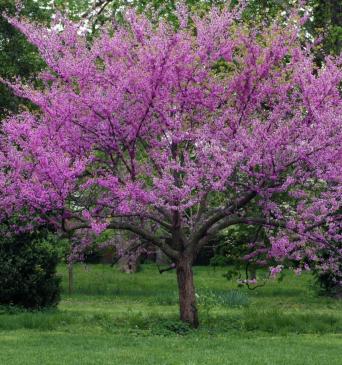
point(202, 231)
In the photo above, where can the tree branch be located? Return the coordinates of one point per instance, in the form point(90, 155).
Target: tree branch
point(168, 250)
point(202, 231)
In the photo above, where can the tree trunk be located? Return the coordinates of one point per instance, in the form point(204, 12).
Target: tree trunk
point(161, 258)
point(186, 288)
point(129, 264)
point(70, 278)
point(252, 272)
point(129, 257)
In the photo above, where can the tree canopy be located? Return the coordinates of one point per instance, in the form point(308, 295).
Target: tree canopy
point(175, 133)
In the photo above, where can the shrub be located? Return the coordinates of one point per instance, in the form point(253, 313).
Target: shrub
point(28, 272)
point(330, 283)
point(329, 279)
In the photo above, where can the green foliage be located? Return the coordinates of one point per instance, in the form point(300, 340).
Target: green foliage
point(328, 283)
point(28, 272)
point(327, 22)
point(18, 58)
point(232, 245)
point(220, 260)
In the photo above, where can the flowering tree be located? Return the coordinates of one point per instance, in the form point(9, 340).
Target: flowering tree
point(176, 134)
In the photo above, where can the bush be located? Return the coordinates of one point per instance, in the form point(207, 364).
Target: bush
point(28, 272)
point(330, 283)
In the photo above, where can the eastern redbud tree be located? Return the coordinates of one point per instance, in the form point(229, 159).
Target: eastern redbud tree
point(175, 133)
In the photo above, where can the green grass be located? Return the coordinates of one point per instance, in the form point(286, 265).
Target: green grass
point(115, 318)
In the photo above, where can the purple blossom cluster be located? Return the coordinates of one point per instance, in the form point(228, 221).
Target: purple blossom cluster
point(174, 134)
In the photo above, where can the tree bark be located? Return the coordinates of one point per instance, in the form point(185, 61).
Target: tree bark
point(186, 288)
point(252, 272)
point(70, 278)
point(129, 260)
point(129, 264)
point(161, 258)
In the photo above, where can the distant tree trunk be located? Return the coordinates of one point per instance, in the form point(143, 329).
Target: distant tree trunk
point(336, 21)
point(252, 272)
point(187, 297)
point(129, 264)
point(129, 255)
point(161, 258)
point(70, 278)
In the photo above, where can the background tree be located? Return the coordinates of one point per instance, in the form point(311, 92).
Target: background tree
point(327, 23)
point(19, 58)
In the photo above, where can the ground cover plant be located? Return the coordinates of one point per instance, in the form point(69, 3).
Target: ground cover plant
point(115, 318)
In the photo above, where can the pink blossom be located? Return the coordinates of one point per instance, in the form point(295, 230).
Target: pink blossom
point(274, 271)
point(139, 130)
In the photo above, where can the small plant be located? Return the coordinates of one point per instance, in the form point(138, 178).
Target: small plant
point(234, 298)
point(208, 300)
point(231, 298)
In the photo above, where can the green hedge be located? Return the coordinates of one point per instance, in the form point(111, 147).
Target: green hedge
point(28, 272)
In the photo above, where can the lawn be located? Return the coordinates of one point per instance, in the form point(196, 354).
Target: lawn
point(115, 318)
